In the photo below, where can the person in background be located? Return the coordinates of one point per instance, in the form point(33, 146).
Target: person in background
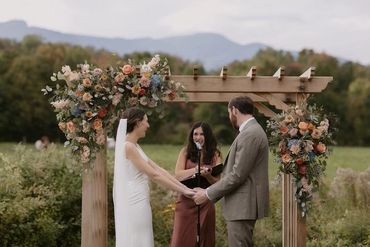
point(185, 222)
point(43, 143)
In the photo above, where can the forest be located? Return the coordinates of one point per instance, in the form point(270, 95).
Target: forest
point(26, 67)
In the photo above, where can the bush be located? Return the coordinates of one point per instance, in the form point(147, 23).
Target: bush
point(40, 198)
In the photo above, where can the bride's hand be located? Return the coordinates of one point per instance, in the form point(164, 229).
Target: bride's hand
point(188, 193)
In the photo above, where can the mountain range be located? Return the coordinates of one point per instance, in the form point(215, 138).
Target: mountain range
point(210, 49)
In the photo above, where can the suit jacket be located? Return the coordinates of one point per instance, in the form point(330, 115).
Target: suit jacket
point(244, 185)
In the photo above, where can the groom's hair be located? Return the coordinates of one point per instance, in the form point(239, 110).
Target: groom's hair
point(243, 103)
point(133, 116)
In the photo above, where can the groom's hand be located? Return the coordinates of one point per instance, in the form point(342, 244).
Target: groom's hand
point(200, 196)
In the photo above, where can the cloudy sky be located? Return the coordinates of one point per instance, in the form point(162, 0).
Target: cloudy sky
point(338, 27)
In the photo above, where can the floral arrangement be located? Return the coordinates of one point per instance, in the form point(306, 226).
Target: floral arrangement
point(88, 100)
point(299, 138)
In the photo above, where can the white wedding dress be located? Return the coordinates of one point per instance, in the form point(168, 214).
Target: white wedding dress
point(131, 197)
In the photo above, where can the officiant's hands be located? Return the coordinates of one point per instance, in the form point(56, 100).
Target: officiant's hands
point(200, 196)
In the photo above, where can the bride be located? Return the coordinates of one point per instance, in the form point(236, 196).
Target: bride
point(132, 170)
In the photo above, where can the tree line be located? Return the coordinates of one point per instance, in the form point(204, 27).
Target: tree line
point(26, 67)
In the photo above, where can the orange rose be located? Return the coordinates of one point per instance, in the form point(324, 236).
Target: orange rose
point(127, 69)
point(321, 148)
point(135, 89)
point(86, 82)
point(97, 124)
point(78, 93)
point(284, 129)
point(286, 158)
point(303, 126)
point(86, 97)
point(88, 114)
point(311, 126)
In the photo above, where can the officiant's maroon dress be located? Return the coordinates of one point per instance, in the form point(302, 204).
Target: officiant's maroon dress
point(186, 218)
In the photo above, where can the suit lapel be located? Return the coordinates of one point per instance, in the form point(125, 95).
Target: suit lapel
point(250, 123)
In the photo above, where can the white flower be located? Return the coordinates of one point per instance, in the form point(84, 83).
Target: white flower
point(145, 68)
point(66, 70)
point(155, 61)
point(60, 104)
point(85, 68)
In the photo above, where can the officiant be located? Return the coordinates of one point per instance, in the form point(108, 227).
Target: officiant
point(200, 141)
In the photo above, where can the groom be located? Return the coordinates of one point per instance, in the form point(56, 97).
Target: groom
point(244, 183)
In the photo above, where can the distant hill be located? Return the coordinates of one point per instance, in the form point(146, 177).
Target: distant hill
point(212, 50)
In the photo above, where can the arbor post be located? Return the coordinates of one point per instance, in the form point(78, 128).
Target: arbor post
point(94, 226)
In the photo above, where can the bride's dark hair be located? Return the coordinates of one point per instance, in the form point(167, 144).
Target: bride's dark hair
point(210, 144)
point(133, 116)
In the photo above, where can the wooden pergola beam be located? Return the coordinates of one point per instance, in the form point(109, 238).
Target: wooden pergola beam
point(260, 84)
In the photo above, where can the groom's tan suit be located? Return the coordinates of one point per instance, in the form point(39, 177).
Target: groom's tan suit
point(244, 187)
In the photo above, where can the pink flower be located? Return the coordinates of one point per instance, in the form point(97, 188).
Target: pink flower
point(308, 146)
point(119, 77)
point(97, 72)
point(116, 98)
point(295, 148)
point(133, 101)
point(127, 69)
point(71, 127)
point(316, 134)
point(145, 82)
point(321, 148)
point(100, 137)
point(81, 139)
point(293, 132)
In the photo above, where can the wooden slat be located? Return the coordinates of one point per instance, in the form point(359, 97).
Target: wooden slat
point(261, 84)
point(275, 101)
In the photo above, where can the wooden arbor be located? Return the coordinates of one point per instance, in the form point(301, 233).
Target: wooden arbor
point(276, 90)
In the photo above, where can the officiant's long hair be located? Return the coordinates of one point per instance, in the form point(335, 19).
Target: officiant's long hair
point(209, 148)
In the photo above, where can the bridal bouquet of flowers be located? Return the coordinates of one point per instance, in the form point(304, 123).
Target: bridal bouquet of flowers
point(299, 140)
point(88, 100)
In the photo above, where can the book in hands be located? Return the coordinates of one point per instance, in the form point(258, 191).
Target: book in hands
point(192, 182)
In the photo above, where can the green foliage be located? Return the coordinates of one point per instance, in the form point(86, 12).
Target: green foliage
point(40, 198)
